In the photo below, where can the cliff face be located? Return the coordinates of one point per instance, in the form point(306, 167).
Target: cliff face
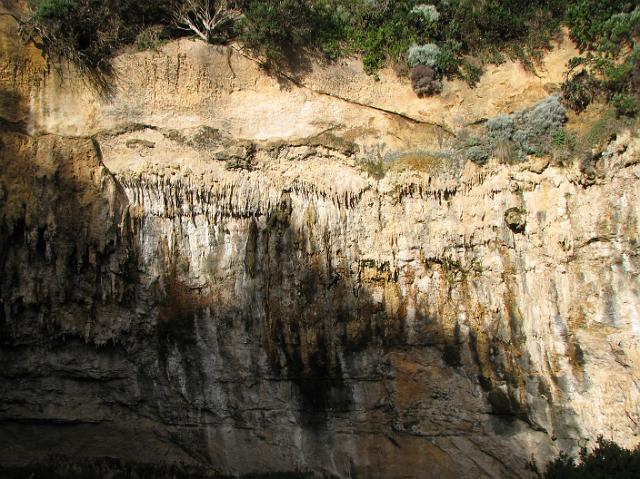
point(197, 267)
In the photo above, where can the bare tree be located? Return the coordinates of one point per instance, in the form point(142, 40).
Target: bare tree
point(206, 18)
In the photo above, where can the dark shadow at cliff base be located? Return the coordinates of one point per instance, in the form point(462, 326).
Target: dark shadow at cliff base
point(61, 467)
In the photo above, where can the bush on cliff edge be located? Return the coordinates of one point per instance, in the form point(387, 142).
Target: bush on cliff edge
point(607, 460)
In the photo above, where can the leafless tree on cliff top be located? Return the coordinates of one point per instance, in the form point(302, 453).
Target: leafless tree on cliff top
point(206, 18)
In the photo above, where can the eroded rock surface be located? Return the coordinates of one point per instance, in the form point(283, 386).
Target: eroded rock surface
point(185, 280)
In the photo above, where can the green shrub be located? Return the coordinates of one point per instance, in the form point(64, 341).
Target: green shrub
point(64, 467)
point(590, 20)
point(270, 27)
point(607, 460)
point(382, 30)
point(579, 90)
point(626, 105)
point(616, 77)
point(564, 148)
point(89, 32)
point(431, 60)
point(470, 73)
point(604, 76)
point(450, 61)
point(149, 38)
point(54, 9)
point(607, 30)
point(486, 28)
point(282, 29)
point(478, 154)
point(443, 34)
point(619, 30)
point(605, 129)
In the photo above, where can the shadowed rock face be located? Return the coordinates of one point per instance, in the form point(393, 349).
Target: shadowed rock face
point(257, 323)
point(178, 293)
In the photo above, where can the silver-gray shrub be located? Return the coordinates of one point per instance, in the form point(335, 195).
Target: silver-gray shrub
point(423, 55)
point(428, 13)
point(538, 125)
point(531, 130)
point(499, 128)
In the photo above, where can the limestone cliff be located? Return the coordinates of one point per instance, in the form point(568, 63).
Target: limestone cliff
point(196, 266)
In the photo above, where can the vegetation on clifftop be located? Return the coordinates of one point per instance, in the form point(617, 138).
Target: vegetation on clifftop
point(607, 33)
point(427, 41)
point(90, 32)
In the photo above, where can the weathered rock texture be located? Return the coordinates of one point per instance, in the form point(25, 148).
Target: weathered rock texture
point(197, 268)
